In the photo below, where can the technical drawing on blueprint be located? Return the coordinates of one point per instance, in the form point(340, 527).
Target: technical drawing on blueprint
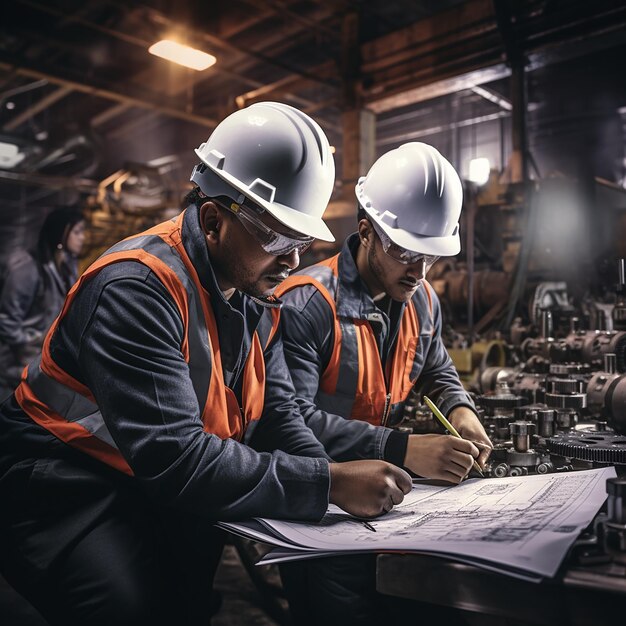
point(524, 522)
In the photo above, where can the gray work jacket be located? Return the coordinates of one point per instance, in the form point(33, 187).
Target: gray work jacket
point(31, 297)
point(121, 338)
point(308, 325)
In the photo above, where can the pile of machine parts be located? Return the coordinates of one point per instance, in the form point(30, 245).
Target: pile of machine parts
point(560, 402)
point(563, 406)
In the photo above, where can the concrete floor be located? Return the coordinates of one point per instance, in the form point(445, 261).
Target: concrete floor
point(241, 601)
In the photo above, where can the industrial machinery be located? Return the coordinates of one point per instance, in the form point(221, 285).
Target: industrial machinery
point(558, 403)
point(551, 393)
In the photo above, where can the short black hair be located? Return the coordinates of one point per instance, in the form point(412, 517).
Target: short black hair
point(195, 196)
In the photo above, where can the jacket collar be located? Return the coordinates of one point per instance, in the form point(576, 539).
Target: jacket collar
point(353, 296)
point(195, 244)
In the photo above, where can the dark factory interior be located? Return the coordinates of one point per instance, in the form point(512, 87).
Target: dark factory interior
point(524, 101)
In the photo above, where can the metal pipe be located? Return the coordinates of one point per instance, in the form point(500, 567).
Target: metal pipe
point(610, 363)
point(471, 217)
point(546, 324)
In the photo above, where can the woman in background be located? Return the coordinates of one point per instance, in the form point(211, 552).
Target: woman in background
point(33, 290)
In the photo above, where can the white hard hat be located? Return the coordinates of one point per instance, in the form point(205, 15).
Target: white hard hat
point(415, 195)
point(279, 158)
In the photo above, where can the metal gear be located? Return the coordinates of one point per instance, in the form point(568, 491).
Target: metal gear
point(589, 446)
point(570, 369)
point(493, 402)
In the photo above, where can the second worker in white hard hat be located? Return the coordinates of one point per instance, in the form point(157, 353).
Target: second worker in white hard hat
point(363, 328)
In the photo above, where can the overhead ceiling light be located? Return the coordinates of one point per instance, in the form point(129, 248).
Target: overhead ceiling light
point(181, 54)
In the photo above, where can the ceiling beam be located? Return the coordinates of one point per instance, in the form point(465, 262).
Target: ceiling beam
point(131, 126)
point(54, 182)
point(21, 89)
point(433, 130)
point(279, 41)
point(287, 85)
point(467, 22)
point(440, 88)
point(493, 96)
point(37, 107)
point(440, 47)
point(427, 58)
point(229, 30)
point(109, 113)
point(283, 8)
point(142, 100)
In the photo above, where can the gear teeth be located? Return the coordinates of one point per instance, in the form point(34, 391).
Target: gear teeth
point(595, 447)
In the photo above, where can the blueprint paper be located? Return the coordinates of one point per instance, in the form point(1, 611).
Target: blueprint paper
point(524, 523)
point(284, 555)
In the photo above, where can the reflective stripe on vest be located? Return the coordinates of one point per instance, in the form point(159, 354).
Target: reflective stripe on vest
point(353, 384)
point(67, 409)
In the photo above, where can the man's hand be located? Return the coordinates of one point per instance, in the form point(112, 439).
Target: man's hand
point(469, 427)
point(367, 488)
point(443, 457)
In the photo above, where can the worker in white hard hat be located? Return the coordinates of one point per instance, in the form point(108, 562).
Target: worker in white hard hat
point(363, 328)
point(123, 442)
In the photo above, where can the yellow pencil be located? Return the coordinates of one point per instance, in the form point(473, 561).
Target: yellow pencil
point(446, 424)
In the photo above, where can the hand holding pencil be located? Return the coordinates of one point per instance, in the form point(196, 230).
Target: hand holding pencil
point(449, 427)
point(440, 457)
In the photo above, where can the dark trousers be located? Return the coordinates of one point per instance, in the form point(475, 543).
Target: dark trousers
point(85, 547)
point(341, 591)
point(333, 591)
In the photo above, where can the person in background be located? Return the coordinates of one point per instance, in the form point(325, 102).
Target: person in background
point(361, 330)
point(125, 441)
point(34, 286)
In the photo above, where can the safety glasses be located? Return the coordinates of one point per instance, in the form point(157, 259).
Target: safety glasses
point(277, 244)
point(397, 253)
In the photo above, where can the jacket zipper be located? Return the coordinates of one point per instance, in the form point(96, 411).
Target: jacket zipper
point(386, 410)
point(244, 424)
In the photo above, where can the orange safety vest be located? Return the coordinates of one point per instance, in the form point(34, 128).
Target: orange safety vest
point(66, 408)
point(353, 384)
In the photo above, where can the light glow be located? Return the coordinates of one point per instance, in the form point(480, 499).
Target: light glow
point(479, 170)
point(181, 54)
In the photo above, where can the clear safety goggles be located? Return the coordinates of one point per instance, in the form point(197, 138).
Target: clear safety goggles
point(275, 243)
point(397, 253)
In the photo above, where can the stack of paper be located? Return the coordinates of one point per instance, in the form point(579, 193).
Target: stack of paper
point(520, 526)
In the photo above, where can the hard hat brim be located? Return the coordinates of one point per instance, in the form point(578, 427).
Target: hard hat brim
point(414, 242)
point(300, 222)
point(308, 225)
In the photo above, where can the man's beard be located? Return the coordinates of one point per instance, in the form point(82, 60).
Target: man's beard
point(246, 280)
point(376, 268)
